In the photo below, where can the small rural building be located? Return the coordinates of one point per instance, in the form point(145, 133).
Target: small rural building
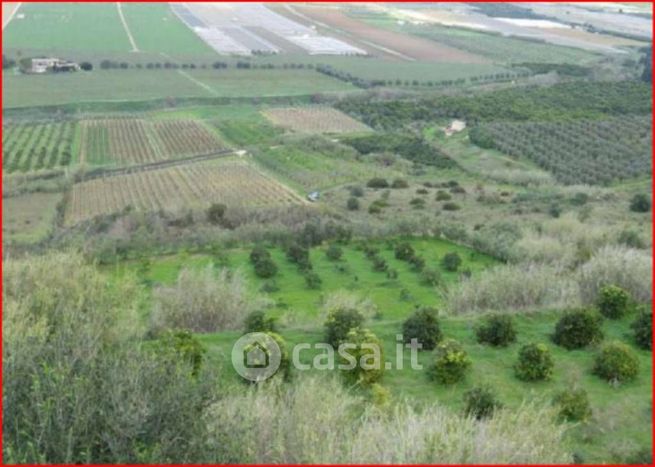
point(43, 65)
point(313, 196)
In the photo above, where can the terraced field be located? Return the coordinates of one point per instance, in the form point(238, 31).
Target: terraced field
point(29, 147)
point(233, 183)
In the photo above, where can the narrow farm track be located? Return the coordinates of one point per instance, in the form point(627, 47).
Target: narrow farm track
point(127, 28)
point(103, 173)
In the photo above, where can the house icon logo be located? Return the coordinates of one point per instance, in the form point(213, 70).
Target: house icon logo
point(256, 356)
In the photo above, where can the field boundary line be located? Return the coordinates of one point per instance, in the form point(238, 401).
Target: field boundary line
point(11, 15)
point(206, 87)
point(119, 7)
point(106, 173)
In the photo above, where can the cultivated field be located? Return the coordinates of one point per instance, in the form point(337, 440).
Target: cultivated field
point(314, 120)
point(136, 141)
point(233, 183)
point(591, 152)
point(28, 218)
point(396, 44)
point(28, 147)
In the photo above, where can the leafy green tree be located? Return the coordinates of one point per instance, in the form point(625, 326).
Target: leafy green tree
point(451, 261)
point(535, 363)
point(423, 325)
point(450, 364)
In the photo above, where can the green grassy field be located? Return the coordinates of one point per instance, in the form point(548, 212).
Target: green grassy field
point(143, 85)
point(28, 218)
point(69, 27)
point(620, 413)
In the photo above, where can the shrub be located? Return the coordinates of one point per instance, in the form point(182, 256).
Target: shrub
point(624, 267)
point(577, 329)
point(450, 206)
point(299, 255)
point(417, 203)
point(480, 402)
point(451, 262)
point(613, 302)
point(184, 345)
point(640, 203)
point(202, 301)
point(352, 204)
point(423, 326)
point(497, 330)
point(257, 321)
point(377, 182)
point(259, 253)
point(535, 363)
point(284, 369)
point(376, 207)
point(339, 323)
point(379, 264)
point(216, 213)
point(443, 196)
point(451, 363)
point(312, 280)
point(430, 277)
point(616, 362)
point(265, 268)
point(422, 191)
point(399, 183)
point(334, 253)
point(580, 198)
point(366, 355)
point(631, 239)
point(573, 405)
point(642, 329)
point(403, 251)
point(417, 262)
point(356, 191)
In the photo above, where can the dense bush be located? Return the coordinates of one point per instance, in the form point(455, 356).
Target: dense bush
point(535, 363)
point(573, 405)
point(265, 268)
point(202, 301)
point(451, 262)
point(613, 302)
point(338, 324)
point(352, 204)
point(257, 321)
point(312, 280)
point(417, 262)
point(403, 251)
point(283, 371)
point(366, 358)
point(259, 253)
point(480, 402)
point(183, 345)
point(400, 183)
point(423, 326)
point(577, 329)
point(216, 213)
point(450, 364)
point(443, 196)
point(640, 203)
point(377, 183)
point(642, 329)
point(450, 206)
point(406, 145)
point(356, 191)
point(430, 277)
point(497, 330)
point(299, 255)
point(334, 253)
point(616, 362)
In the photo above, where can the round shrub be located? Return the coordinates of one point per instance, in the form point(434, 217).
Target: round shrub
point(339, 323)
point(312, 280)
point(257, 321)
point(334, 253)
point(450, 206)
point(496, 330)
point(573, 405)
point(577, 329)
point(640, 203)
point(368, 355)
point(265, 268)
point(399, 183)
point(443, 196)
point(616, 362)
point(430, 277)
point(642, 328)
point(451, 262)
point(423, 326)
point(480, 402)
point(352, 204)
point(418, 263)
point(535, 363)
point(356, 191)
point(184, 345)
point(377, 182)
point(404, 251)
point(451, 363)
point(299, 255)
point(259, 253)
point(613, 301)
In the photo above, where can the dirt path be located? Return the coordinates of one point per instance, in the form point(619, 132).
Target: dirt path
point(127, 28)
point(9, 9)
